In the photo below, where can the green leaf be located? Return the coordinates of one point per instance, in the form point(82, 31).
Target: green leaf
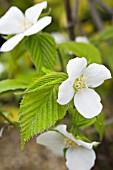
point(18, 51)
point(12, 85)
point(39, 109)
point(88, 51)
point(80, 136)
point(42, 49)
point(99, 125)
point(106, 34)
point(110, 56)
point(80, 121)
point(49, 80)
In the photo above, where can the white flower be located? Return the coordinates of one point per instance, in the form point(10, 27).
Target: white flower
point(82, 39)
point(79, 154)
point(86, 100)
point(59, 38)
point(15, 22)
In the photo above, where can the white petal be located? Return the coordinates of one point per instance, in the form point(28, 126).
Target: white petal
point(65, 93)
point(33, 12)
point(38, 26)
point(11, 22)
point(88, 103)
point(96, 74)
point(75, 67)
point(11, 43)
point(59, 38)
point(82, 39)
point(80, 158)
point(86, 144)
point(53, 141)
point(62, 129)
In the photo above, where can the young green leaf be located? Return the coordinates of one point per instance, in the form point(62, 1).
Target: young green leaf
point(12, 85)
point(42, 49)
point(80, 121)
point(99, 125)
point(39, 109)
point(88, 51)
point(49, 80)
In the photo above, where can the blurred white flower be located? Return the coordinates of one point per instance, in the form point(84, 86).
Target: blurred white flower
point(59, 38)
point(82, 39)
point(79, 154)
point(1, 68)
point(79, 84)
point(15, 22)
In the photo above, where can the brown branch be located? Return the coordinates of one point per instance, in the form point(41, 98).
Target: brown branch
point(75, 11)
point(70, 22)
point(95, 15)
point(5, 4)
point(75, 17)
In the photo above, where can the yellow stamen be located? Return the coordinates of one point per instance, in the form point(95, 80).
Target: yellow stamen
point(69, 143)
point(25, 25)
point(80, 83)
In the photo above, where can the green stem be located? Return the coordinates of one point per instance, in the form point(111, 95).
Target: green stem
point(61, 60)
point(5, 118)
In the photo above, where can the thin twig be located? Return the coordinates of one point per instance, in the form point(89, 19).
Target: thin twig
point(75, 17)
point(1, 132)
point(95, 15)
point(75, 11)
point(105, 6)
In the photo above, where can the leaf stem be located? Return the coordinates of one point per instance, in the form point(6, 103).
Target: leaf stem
point(8, 120)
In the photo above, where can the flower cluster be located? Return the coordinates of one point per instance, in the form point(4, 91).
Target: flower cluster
point(79, 154)
point(82, 79)
point(79, 85)
point(15, 22)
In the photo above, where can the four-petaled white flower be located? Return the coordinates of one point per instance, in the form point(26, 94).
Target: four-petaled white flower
point(15, 22)
point(86, 100)
point(79, 154)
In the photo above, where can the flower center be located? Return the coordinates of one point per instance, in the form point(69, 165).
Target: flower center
point(69, 143)
point(80, 83)
point(26, 24)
